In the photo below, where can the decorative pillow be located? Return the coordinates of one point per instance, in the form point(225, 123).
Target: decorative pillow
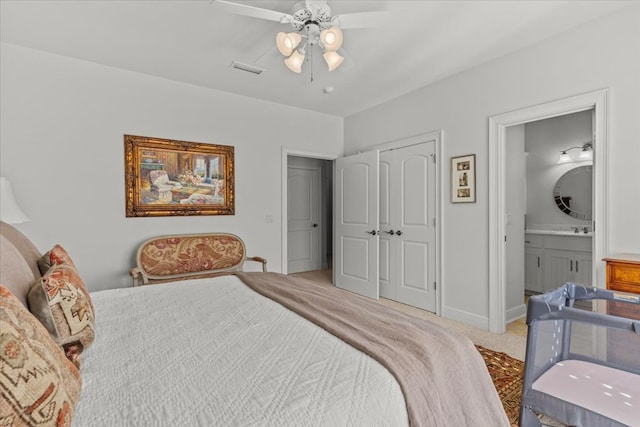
point(38, 385)
point(56, 256)
point(63, 305)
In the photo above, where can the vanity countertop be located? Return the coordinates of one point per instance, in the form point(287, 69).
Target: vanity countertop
point(558, 233)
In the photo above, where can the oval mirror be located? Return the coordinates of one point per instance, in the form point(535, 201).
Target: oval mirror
point(573, 192)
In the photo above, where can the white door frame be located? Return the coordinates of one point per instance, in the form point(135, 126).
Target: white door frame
point(285, 152)
point(597, 101)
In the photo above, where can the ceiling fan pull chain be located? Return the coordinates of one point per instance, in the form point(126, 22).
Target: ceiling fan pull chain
point(311, 64)
point(310, 56)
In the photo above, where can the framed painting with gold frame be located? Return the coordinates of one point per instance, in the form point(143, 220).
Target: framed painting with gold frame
point(165, 177)
point(463, 179)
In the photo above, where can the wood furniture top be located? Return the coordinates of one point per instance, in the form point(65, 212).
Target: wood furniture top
point(628, 258)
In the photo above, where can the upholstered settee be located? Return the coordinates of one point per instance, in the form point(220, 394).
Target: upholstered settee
point(161, 186)
point(189, 256)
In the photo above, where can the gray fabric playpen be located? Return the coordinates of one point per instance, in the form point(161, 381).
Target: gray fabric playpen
point(582, 367)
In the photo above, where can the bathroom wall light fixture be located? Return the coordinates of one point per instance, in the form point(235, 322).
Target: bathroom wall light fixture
point(585, 155)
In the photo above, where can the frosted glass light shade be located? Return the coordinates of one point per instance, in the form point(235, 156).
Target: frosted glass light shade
point(331, 38)
point(585, 155)
point(333, 60)
point(564, 158)
point(294, 62)
point(286, 42)
point(10, 212)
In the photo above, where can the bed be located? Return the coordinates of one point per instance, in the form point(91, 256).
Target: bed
point(240, 349)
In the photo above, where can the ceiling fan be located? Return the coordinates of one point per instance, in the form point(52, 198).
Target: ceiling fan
point(312, 24)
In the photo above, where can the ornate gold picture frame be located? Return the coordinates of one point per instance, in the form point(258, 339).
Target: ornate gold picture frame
point(165, 177)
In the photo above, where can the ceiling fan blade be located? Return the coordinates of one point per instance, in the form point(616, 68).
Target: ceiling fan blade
point(252, 11)
point(362, 19)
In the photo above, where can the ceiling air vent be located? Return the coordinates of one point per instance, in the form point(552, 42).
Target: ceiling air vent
point(246, 67)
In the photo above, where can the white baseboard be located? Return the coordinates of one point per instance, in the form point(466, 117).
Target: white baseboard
point(465, 317)
point(516, 313)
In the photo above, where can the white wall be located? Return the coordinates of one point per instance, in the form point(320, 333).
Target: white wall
point(544, 139)
point(62, 123)
point(601, 54)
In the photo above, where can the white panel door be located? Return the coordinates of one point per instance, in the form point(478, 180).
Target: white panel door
point(356, 224)
point(303, 212)
point(412, 201)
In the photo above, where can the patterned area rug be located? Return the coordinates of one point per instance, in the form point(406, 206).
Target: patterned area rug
point(506, 373)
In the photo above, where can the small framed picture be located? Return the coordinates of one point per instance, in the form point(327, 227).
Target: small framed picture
point(463, 179)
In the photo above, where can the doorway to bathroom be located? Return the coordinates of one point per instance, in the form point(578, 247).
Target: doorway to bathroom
point(498, 218)
point(549, 195)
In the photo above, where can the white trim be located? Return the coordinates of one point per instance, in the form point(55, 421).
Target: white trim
point(597, 101)
point(285, 152)
point(516, 312)
point(465, 317)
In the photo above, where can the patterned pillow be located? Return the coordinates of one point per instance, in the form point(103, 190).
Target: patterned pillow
point(55, 256)
point(63, 305)
point(38, 385)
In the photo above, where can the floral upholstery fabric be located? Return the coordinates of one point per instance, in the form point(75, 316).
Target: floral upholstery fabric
point(190, 254)
point(38, 385)
point(56, 256)
point(63, 305)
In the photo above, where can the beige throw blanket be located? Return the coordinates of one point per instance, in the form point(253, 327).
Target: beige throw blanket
point(443, 377)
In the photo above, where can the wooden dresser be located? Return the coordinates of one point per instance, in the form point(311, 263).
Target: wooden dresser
point(623, 274)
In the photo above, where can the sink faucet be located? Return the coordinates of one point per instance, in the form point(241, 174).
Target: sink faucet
point(576, 229)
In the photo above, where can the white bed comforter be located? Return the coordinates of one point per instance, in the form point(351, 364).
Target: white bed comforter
point(212, 352)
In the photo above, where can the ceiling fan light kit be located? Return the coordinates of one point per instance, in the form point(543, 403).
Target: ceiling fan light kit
point(316, 27)
point(330, 40)
point(313, 25)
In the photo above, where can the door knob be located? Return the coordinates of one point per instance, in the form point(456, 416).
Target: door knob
point(314, 225)
point(372, 232)
point(390, 232)
point(398, 233)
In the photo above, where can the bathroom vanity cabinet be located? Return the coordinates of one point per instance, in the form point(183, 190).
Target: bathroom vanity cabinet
point(554, 259)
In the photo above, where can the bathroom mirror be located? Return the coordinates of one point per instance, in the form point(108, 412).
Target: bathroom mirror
point(573, 192)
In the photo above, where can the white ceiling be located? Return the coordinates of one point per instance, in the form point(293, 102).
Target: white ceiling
point(194, 42)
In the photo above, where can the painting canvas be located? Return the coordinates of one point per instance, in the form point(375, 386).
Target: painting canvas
point(167, 177)
point(463, 179)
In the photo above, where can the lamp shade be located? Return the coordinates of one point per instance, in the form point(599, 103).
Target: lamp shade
point(10, 212)
point(331, 38)
point(333, 60)
point(286, 42)
point(294, 62)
